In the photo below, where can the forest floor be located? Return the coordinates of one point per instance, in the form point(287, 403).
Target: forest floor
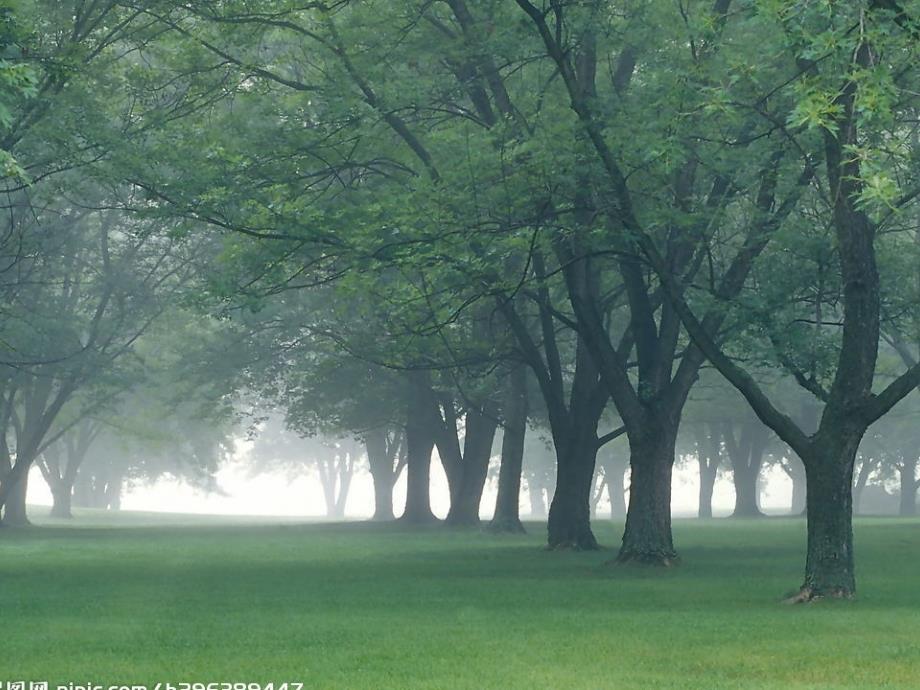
point(131, 600)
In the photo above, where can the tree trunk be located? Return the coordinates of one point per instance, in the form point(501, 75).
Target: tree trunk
point(113, 491)
point(381, 467)
point(569, 524)
point(745, 479)
point(829, 570)
point(746, 458)
point(908, 475)
point(708, 474)
point(62, 495)
point(507, 504)
point(797, 475)
point(647, 537)
point(616, 487)
point(477, 451)
point(419, 446)
point(537, 493)
point(383, 496)
point(14, 511)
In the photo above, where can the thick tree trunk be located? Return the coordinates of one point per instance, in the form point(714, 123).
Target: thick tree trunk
point(647, 537)
point(745, 479)
point(908, 475)
point(14, 511)
point(477, 451)
point(569, 523)
point(383, 496)
point(62, 496)
point(507, 504)
point(829, 570)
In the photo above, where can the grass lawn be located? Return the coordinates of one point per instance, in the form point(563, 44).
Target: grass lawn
point(363, 606)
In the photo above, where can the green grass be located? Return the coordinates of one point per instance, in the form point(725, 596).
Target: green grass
point(361, 606)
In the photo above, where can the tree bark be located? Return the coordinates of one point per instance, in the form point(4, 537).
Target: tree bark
point(569, 523)
point(507, 504)
point(647, 537)
point(829, 570)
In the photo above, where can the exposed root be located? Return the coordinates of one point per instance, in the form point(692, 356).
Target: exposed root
point(808, 595)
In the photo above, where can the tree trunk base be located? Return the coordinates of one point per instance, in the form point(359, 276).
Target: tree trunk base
point(583, 543)
point(807, 595)
point(506, 526)
point(659, 559)
point(748, 514)
point(15, 523)
point(418, 520)
point(61, 514)
point(462, 521)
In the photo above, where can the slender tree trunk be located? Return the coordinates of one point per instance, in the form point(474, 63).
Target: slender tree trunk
point(908, 475)
point(799, 488)
point(113, 490)
point(569, 523)
point(507, 504)
point(616, 487)
point(709, 458)
point(862, 478)
point(537, 493)
point(708, 474)
point(647, 537)
point(14, 511)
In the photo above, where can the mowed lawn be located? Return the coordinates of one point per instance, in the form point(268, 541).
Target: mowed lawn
point(133, 600)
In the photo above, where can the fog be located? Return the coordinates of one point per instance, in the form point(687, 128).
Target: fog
point(275, 494)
